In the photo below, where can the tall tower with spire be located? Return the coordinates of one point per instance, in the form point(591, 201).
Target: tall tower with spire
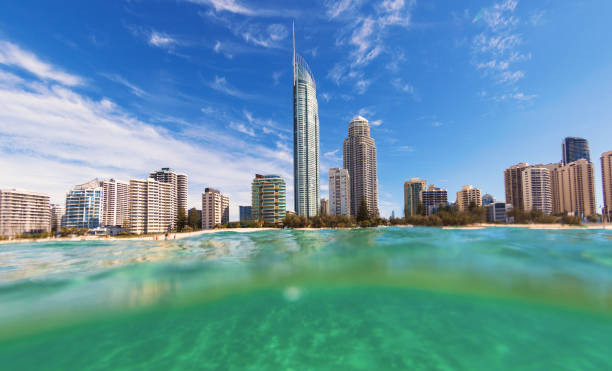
point(306, 151)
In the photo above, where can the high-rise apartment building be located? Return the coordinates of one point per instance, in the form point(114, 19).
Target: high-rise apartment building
point(513, 185)
point(573, 188)
point(245, 213)
point(56, 214)
point(574, 149)
point(269, 199)
point(468, 195)
point(23, 212)
point(324, 207)
point(339, 192)
point(412, 196)
point(215, 208)
point(432, 198)
point(537, 190)
point(606, 178)
point(151, 205)
point(360, 161)
point(115, 202)
point(306, 151)
point(84, 206)
point(179, 186)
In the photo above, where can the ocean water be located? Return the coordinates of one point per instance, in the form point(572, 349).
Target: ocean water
point(365, 299)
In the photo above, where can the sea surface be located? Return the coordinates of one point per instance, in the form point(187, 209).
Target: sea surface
point(363, 299)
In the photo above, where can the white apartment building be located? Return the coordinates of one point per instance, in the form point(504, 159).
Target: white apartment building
point(115, 202)
point(56, 215)
point(23, 212)
point(152, 206)
point(215, 208)
point(467, 195)
point(339, 192)
point(537, 189)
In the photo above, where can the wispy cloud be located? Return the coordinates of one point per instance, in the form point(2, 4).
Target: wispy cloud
point(221, 84)
point(122, 81)
point(238, 126)
point(161, 40)
point(13, 55)
point(376, 122)
point(231, 6)
point(338, 7)
point(362, 85)
point(405, 87)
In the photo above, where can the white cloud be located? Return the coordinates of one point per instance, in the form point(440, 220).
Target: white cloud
point(13, 55)
point(405, 87)
point(511, 77)
point(376, 122)
point(436, 124)
point(326, 97)
point(221, 84)
point(242, 128)
point(231, 6)
point(120, 80)
point(366, 111)
point(54, 138)
point(362, 85)
point(161, 40)
point(337, 7)
point(405, 149)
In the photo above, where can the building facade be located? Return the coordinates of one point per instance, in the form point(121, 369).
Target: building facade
point(306, 151)
point(574, 148)
point(179, 187)
point(84, 206)
point(412, 196)
point(269, 199)
point(606, 178)
point(360, 161)
point(432, 198)
point(215, 208)
point(487, 199)
point(324, 207)
point(151, 205)
point(497, 212)
point(574, 189)
point(468, 195)
point(56, 215)
point(245, 213)
point(339, 192)
point(23, 212)
point(115, 202)
point(513, 184)
point(537, 190)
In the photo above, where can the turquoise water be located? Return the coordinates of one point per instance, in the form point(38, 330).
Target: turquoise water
point(387, 298)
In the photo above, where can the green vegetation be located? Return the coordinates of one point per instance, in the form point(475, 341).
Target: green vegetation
point(73, 231)
point(194, 220)
point(445, 216)
point(330, 221)
point(538, 217)
point(181, 220)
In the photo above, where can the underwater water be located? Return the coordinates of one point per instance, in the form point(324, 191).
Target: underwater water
point(384, 298)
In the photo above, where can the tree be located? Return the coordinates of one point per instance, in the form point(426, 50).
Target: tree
point(363, 213)
point(194, 220)
point(181, 220)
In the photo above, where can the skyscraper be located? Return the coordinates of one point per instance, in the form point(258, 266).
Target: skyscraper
point(215, 208)
point(84, 206)
point(324, 207)
point(152, 207)
point(573, 188)
point(514, 185)
point(432, 198)
point(339, 192)
point(179, 186)
point(574, 149)
point(115, 202)
point(537, 190)
point(466, 196)
point(269, 200)
point(360, 161)
point(306, 152)
point(56, 215)
point(23, 212)
point(412, 195)
point(245, 213)
point(606, 178)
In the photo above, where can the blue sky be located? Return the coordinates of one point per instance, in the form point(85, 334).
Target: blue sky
point(456, 91)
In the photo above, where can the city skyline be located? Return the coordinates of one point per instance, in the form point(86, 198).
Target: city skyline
point(72, 111)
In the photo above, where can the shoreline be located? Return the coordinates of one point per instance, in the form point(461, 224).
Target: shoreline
point(183, 235)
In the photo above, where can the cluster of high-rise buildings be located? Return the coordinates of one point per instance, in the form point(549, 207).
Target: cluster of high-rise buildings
point(567, 187)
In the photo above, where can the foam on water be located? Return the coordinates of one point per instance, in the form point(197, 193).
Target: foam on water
point(377, 298)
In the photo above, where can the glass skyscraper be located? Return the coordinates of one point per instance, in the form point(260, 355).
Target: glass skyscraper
point(268, 198)
point(575, 149)
point(306, 152)
point(84, 206)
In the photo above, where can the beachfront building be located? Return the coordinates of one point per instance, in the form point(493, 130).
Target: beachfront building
point(497, 212)
point(573, 188)
point(432, 198)
point(468, 195)
point(115, 202)
point(324, 207)
point(574, 148)
point(306, 151)
point(215, 208)
point(84, 206)
point(606, 178)
point(23, 212)
point(412, 196)
point(536, 187)
point(151, 206)
point(339, 192)
point(179, 186)
point(269, 200)
point(360, 161)
point(245, 213)
point(513, 184)
point(56, 214)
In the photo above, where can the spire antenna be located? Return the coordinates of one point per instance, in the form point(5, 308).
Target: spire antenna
point(293, 31)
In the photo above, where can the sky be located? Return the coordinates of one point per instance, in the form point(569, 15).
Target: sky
point(455, 91)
